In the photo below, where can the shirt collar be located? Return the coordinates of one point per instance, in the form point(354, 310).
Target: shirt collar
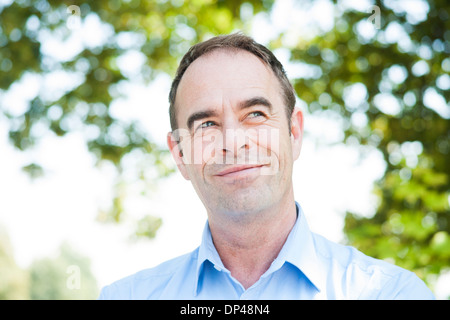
point(206, 252)
point(298, 250)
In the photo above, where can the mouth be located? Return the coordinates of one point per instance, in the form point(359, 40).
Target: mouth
point(238, 170)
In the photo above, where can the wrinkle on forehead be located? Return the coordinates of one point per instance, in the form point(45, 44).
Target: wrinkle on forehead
point(224, 77)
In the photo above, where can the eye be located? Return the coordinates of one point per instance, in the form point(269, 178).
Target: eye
point(207, 124)
point(255, 114)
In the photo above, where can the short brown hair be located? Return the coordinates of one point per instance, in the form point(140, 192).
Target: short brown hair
point(234, 41)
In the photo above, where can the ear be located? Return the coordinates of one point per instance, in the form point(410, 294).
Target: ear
point(296, 132)
point(177, 154)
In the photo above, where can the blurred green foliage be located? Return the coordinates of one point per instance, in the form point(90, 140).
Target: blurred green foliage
point(389, 86)
point(161, 30)
point(412, 223)
point(380, 83)
point(67, 276)
point(14, 282)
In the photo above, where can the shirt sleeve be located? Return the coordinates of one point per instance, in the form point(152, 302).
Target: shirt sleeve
point(119, 290)
point(407, 286)
point(107, 293)
point(103, 295)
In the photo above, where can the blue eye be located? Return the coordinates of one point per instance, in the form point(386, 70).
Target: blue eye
point(207, 124)
point(255, 114)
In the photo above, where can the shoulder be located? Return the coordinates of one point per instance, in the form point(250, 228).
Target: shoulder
point(354, 275)
point(148, 283)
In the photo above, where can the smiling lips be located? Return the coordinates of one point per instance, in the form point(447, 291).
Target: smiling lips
point(236, 170)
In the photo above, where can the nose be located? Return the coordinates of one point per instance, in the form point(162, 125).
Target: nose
point(235, 140)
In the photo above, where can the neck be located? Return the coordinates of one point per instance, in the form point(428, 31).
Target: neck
point(247, 248)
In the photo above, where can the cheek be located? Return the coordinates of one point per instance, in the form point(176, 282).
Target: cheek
point(196, 176)
point(200, 153)
point(205, 148)
point(263, 140)
point(197, 151)
point(209, 150)
point(276, 142)
point(282, 148)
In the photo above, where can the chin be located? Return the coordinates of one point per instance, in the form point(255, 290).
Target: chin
point(243, 204)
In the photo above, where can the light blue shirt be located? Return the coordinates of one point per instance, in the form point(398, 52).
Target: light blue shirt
point(307, 267)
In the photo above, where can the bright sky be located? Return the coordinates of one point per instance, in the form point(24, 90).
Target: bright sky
point(62, 205)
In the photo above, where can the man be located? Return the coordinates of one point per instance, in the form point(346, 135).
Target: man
point(235, 135)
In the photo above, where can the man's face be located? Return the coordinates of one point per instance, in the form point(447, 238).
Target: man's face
point(235, 141)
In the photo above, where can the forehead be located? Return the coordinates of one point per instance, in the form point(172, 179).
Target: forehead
point(224, 77)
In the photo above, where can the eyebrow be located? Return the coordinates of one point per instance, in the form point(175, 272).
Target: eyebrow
point(255, 102)
point(196, 116)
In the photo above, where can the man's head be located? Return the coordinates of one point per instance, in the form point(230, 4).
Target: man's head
point(231, 42)
point(237, 133)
